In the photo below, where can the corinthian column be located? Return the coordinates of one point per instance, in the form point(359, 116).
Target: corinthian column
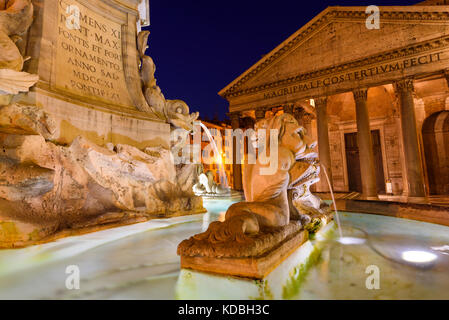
point(237, 168)
point(365, 144)
point(323, 141)
point(413, 162)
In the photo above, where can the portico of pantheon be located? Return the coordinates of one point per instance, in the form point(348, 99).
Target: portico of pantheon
point(376, 100)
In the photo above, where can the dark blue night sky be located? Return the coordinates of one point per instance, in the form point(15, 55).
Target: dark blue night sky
point(200, 46)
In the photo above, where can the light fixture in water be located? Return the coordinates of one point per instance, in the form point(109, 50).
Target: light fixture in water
point(418, 256)
point(351, 240)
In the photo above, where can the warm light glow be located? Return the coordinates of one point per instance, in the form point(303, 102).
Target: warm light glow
point(418, 256)
point(218, 160)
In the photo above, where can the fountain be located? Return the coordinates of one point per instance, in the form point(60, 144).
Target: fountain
point(89, 181)
point(223, 177)
point(67, 168)
point(276, 218)
point(331, 190)
point(206, 186)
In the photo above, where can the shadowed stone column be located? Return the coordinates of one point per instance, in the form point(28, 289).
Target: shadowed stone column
point(323, 141)
point(365, 144)
point(413, 162)
point(446, 75)
point(307, 123)
point(260, 113)
point(299, 114)
point(288, 108)
point(237, 168)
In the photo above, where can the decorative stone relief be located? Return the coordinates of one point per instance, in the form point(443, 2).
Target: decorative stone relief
point(175, 112)
point(46, 188)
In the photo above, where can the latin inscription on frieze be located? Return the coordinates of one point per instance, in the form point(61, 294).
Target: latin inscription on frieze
point(89, 60)
point(356, 76)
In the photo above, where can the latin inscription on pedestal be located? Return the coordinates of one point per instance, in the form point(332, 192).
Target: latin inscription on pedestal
point(89, 61)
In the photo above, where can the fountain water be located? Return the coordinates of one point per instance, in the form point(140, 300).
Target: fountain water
point(333, 200)
point(222, 172)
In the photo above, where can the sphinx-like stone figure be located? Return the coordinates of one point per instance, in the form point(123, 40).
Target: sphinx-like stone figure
point(278, 210)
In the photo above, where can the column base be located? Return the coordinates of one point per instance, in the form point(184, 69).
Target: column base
point(418, 199)
point(395, 198)
point(370, 197)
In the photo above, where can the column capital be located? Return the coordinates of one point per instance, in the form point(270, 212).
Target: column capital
point(320, 102)
point(307, 118)
point(299, 112)
point(360, 94)
point(404, 85)
point(288, 108)
point(260, 113)
point(234, 115)
point(235, 119)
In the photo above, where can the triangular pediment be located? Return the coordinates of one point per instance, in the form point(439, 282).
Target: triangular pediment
point(338, 36)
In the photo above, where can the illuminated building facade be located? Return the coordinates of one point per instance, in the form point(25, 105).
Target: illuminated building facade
point(376, 100)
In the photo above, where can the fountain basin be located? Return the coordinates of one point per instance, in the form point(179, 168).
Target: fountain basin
point(140, 262)
point(281, 283)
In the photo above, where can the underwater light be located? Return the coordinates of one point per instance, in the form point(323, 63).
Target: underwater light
point(350, 240)
point(418, 256)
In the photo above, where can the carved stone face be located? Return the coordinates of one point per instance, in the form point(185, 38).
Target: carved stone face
point(295, 138)
point(292, 135)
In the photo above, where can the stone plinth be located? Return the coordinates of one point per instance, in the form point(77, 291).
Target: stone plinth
point(89, 75)
point(85, 131)
point(266, 252)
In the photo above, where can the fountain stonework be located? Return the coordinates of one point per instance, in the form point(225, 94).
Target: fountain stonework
point(84, 128)
point(277, 217)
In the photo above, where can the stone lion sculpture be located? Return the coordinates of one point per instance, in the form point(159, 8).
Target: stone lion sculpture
point(272, 201)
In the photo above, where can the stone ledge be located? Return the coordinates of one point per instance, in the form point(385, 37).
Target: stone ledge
point(252, 267)
point(413, 211)
point(239, 246)
point(37, 235)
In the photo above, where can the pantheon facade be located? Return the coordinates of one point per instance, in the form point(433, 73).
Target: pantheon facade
point(376, 100)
